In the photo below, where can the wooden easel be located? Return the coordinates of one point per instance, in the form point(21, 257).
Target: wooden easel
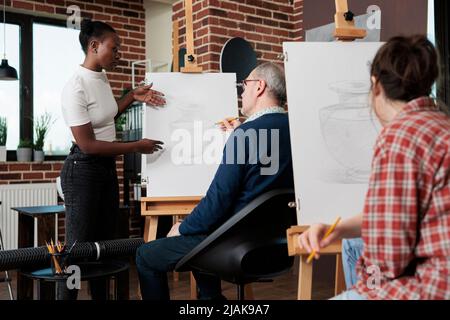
point(345, 24)
point(190, 59)
point(306, 269)
point(345, 31)
point(154, 207)
point(175, 46)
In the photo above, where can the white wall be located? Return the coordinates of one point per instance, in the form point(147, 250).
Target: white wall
point(158, 29)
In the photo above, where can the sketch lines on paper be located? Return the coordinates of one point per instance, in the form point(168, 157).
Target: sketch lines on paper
point(187, 138)
point(349, 130)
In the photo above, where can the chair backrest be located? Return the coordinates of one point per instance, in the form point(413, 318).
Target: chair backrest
point(251, 245)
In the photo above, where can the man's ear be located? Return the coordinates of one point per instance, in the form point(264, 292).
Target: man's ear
point(262, 86)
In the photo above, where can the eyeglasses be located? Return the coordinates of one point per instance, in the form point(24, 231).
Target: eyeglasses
point(243, 83)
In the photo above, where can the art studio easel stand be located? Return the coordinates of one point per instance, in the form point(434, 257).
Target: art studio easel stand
point(178, 207)
point(345, 23)
point(305, 271)
point(154, 207)
point(190, 59)
point(345, 31)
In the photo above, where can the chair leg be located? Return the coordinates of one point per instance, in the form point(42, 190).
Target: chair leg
point(7, 278)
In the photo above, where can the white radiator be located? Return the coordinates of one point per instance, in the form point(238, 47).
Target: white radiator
point(22, 195)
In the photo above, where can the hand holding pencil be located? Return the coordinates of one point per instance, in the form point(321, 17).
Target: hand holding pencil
point(318, 236)
point(230, 123)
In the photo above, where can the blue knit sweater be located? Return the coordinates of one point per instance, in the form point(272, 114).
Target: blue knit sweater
point(243, 176)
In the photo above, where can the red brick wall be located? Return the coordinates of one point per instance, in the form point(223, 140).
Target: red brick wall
point(47, 172)
point(265, 24)
point(29, 172)
point(126, 16)
point(299, 32)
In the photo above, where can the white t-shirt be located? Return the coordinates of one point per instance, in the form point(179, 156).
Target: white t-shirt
point(88, 97)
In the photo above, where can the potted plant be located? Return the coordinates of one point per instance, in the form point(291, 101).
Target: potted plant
point(41, 128)
point(3, 136)
point(120, 123)
point(24, 150)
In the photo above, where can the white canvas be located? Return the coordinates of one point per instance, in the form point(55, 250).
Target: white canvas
point(333, 129)
point(195, 102)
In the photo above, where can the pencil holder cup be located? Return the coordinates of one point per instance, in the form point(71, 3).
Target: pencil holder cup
point(59, 262)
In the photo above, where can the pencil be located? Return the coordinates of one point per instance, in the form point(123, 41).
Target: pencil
point(329, 231)
point(228, 119)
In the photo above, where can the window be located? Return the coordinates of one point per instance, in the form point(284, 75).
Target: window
point(56, 55)
point(442, 18)
point(431, 22)
point(9, 90)
point(45, 53)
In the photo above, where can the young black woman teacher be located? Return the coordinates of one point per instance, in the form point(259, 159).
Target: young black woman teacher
point(88, 177)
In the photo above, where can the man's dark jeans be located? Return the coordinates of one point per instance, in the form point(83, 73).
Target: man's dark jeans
point(156, 258)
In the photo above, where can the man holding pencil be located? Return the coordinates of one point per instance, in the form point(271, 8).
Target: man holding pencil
point(245, 173)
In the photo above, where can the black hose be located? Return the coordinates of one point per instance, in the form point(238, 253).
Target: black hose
point(36, 257)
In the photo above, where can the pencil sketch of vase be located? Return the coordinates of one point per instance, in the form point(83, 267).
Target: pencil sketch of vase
point(349, 130)
point(191, 120)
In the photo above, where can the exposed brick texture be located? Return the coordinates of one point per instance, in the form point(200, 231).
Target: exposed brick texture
point(265, 24)
point(126, 16)
point(47, 172)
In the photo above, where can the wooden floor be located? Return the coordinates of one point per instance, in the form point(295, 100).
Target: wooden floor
point(282, 288)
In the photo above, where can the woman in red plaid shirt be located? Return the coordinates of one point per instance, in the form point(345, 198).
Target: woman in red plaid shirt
point(405, 225)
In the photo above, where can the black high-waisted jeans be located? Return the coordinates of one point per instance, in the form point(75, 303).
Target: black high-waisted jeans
point(91, 198)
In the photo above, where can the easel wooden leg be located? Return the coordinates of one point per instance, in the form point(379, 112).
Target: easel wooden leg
point(151, 225)
point(339, 286)
point(176, 275)
point(305, 279)
point(193, 287)
point(249, 292)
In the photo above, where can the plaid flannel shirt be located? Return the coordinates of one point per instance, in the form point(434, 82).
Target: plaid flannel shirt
point(406, 219)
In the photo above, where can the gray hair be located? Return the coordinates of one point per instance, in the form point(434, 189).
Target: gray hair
point(273, 75)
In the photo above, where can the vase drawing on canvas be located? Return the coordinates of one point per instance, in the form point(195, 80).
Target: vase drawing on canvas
point(348, 129)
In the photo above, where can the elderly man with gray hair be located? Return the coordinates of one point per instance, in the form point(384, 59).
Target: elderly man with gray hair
point(256, 159)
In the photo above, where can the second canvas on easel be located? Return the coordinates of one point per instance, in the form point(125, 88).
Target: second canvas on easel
point(193, 144)
point(333, 128)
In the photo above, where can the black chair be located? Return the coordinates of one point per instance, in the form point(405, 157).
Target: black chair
point(251, 246)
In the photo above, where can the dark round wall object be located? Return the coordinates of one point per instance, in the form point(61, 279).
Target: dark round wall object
point(238, 56)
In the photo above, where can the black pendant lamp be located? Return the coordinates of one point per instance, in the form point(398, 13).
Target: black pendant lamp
point(6, 71)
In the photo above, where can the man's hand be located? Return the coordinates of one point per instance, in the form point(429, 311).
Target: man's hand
point(227, 125)
point(147, 95)
point(174, 232)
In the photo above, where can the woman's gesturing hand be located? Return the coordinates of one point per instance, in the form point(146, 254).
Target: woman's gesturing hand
point(149, 96)
point(148, 146)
